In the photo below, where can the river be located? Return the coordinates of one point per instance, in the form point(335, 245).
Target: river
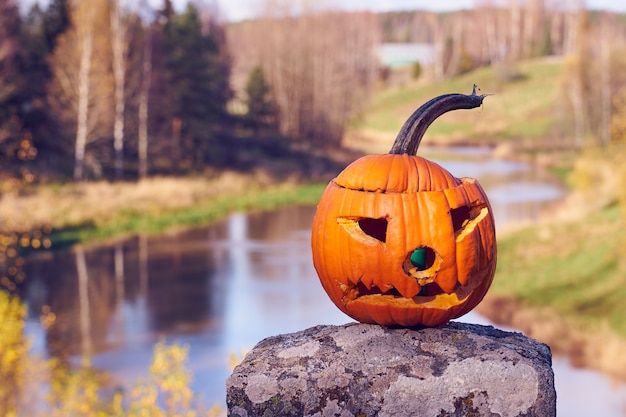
point(222, 288)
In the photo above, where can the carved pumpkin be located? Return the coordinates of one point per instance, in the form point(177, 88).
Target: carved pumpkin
point(398, 240)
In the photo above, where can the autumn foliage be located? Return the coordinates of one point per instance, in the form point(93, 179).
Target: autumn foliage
point(34, 387)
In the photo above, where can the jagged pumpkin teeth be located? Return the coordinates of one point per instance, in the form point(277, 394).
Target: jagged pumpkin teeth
point(413, 244)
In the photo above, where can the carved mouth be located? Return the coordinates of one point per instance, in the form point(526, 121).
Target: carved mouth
point(421, 264)
point(353, 292)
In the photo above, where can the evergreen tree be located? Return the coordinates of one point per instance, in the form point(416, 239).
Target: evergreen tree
point(39, 32)
point(56, 20)
point(36, 41)
point(198, 86)
point(25, 46)
point(11, 81)
point(261, 109)
point(166, 13)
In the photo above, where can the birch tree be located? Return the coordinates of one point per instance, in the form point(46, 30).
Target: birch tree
point(144, 96)
point(575, 77)
point(533, 27)
point(84, 32)
point(79, 93)
point(119, 48)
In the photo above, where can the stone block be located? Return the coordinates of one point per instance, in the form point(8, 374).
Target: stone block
point(368, 370)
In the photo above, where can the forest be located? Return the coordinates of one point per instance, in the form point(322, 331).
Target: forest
point(103, 90)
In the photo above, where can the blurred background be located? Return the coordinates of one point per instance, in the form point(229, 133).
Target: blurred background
point(160, 163)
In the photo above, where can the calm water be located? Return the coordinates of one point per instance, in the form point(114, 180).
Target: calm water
point(223, 288)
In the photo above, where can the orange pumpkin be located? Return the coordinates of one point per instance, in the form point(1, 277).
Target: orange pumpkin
point(398, 240)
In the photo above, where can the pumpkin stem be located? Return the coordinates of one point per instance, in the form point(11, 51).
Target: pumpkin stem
point(410, 136)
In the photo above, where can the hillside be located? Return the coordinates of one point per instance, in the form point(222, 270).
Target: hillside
point(522, 108)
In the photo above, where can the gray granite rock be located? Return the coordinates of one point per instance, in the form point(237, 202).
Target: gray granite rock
point(368, 370)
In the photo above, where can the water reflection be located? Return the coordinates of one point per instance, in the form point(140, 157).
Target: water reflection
point(219, 289)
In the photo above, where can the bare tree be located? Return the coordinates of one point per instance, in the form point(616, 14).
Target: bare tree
point(439, 40)
point(144, 95)
point(607, 34)
point(556, 19)
point(319, 64)
point(456, 45)
point(515, 28)
point(489, 40)
point(571, 26)
point(576, 88)
point(532, 28)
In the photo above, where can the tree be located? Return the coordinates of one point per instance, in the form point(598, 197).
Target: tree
point(24, 74)
point(576, 78)
point(119, 47)
point(80, 91)
point(319, 82)
point(197, 78)
point(56, 20)
point(9, 78)
point(261, 109)
point(144, 97)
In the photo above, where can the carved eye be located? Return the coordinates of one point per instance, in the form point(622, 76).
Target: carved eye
point(376, 228)
point(465, 218)
point(365, 229)
point(460, 218)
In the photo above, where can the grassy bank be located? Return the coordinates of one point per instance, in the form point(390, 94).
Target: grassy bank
point(574, 268)
point(573, 262)
point(89, 211)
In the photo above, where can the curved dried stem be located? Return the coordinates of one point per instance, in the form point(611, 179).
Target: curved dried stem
point(413, 130)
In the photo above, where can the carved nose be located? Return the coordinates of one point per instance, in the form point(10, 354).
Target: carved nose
point(422, 263)
point(423, 258)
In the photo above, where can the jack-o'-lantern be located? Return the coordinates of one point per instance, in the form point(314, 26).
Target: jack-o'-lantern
point(398, 240)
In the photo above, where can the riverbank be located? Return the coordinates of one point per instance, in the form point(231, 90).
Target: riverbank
point(81, 212)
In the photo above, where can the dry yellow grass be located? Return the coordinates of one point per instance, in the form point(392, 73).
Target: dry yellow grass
point(100, 202)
